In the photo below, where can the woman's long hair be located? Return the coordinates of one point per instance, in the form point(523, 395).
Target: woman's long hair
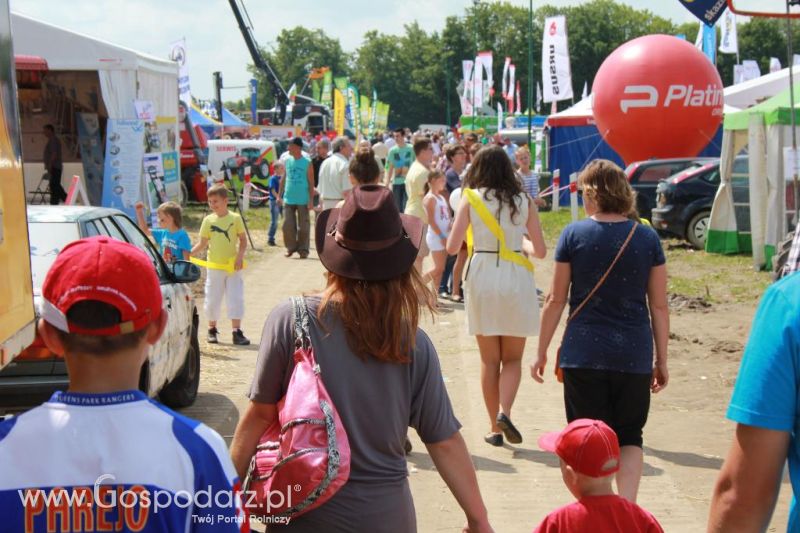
point(380, 317)
point(491, 169)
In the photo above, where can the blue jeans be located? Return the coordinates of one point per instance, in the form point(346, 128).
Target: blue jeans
point(445, 285)
point(275, 214)
point(399, 191)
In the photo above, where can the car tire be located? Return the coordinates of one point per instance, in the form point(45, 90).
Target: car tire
point(697, 229)
point(264, 167)
point(261, 195)
point(182, 391)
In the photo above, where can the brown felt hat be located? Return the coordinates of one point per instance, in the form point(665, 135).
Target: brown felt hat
point(367, 238)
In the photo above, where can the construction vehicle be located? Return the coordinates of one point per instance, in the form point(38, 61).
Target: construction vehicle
point(310, 115)
point(17, 316)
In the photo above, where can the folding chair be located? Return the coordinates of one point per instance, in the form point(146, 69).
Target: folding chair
point(42, 190)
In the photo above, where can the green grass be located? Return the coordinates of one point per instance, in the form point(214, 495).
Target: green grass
point(692, 273)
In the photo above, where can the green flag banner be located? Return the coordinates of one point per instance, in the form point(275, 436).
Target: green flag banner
point(355, 114)
point(316, 90)
point(342, 83)
point(327, 88)
point(364, 108)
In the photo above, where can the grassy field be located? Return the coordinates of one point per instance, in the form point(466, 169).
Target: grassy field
point(693, 274)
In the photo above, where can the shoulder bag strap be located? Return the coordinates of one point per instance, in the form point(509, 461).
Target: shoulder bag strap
point(302, 336)
point(491, 222)
point(608, 271)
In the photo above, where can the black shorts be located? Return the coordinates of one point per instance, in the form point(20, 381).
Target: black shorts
point(620, 399)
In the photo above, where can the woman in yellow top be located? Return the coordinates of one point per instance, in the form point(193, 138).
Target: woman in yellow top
point(417, 177)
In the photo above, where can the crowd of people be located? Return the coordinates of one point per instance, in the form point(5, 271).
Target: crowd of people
point(382, 209)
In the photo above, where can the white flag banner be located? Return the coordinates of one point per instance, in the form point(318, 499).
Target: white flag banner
point(585, 92)
point(752, 70)
point(738, 74)
point(518, 109)
point(466, 68)
point(477, 85)
point(796, 60)
point(556, 73)
point(178, 54)
point(512, 74)
point(774, 64)
point(698, 41)
point(499, 116)
point(506, 86)
point(729, 44)
point(485, 59)
point(538, 97)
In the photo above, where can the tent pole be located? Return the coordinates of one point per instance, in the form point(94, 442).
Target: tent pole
point(790, 60)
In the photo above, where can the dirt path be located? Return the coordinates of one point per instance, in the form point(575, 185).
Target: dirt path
point(685, 439)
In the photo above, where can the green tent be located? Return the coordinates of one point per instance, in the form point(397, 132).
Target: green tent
point(765, 131)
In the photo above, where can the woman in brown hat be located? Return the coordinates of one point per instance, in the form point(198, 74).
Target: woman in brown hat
point(380, 369)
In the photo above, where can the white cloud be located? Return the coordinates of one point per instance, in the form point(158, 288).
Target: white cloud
point(213, 40)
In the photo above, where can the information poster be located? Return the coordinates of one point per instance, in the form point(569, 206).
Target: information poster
point(122, 172)
point(168, 138)
point(153, 166)
point(91, 155)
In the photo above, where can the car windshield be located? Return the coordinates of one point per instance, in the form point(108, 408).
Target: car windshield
point(47, 239)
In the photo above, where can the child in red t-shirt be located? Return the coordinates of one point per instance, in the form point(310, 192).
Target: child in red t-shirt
point(589, 453)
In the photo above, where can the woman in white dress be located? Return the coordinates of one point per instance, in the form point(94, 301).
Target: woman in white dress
point(500, 292)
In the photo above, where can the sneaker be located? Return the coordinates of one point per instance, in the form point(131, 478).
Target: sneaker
point(271, 243)
point(303, 255)
point(212, 336)
point(239, 339)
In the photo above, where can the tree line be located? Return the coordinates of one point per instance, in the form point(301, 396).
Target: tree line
point(416, 72)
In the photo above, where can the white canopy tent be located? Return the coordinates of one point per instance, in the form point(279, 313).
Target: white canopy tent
point(751, 92)
point(125, 75)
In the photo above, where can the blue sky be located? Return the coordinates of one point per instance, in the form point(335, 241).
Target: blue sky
point(213, 40)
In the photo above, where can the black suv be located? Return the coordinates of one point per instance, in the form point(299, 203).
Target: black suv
point(684, 201)
point(645, 175)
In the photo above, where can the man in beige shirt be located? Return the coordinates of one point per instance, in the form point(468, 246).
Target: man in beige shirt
point(334, 174)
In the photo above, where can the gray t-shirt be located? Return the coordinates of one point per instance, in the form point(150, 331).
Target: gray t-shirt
point(377, 402)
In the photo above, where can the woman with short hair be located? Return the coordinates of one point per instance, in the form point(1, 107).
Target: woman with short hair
point(618, 315)
point(380, 370)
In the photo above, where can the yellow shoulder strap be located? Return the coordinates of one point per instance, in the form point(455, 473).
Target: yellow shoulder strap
point(476, 202)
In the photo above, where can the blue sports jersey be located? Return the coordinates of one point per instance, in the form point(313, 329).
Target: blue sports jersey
point(176, 242)
point(115, 462)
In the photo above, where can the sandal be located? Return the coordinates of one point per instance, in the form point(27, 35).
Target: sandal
point(495, 439)
point(458, 299)
point(512, 434)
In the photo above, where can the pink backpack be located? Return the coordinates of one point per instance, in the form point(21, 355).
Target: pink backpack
point(303, 458)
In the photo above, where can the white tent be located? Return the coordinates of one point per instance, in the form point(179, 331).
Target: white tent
point(751, 92)
point(125, 75)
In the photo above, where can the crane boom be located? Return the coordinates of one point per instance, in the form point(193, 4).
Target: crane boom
point(278, 92)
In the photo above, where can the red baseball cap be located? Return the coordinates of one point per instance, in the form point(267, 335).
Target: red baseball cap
point(589, 446)
point(105, 270)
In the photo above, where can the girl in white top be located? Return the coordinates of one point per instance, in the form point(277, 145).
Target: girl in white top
point(439, 220)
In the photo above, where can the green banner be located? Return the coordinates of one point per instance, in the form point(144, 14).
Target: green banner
point(355, 114)
point(316, 90)
point(364, 109)
point(342, 83)
point(327, 88)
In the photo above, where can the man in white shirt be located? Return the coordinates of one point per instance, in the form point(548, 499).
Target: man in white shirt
point(334, 174)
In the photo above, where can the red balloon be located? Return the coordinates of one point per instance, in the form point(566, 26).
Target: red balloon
point(657, 96)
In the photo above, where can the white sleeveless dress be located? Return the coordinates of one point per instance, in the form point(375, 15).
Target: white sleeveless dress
point(439, 225)
point(500, 295)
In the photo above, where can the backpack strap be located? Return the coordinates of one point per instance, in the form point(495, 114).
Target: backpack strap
point(474, 199)
point(302, 335)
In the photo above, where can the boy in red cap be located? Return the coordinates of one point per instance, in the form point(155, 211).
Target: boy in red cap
point(103, 456)
point(589, 454)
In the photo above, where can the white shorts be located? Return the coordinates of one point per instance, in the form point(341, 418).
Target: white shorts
point(219, 285)
point(433, 241)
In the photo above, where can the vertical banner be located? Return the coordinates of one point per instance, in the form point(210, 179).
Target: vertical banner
point(341, 83)
point(122, 172)
point(518, 109)
point(538, 97)
point(253, 101)
point(556, 72)
point(708, 11)
point(373, 111)
point(363, 106)
point(168, 138)
point(338, 111)
point(499, 117)
point(91, 155)
point(710, 43)
point(774, 64)
point(506, 87)
point(178, 54)
point(327, 86)
point(477, 84)
point(355, 114)
point(385, 116)
point(512, 72)
point(153, 166)
point(316, 90)
point(485, 59)
point(729, 43)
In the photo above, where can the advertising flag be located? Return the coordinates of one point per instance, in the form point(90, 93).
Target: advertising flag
point(698, 41)
point(512, 71)
point(729, 44)
point(373, 111)
point(316, 90)
point(338, 111)
point(556, 72)
point(710, 43)
point(363, 106)
point(341, 83)
point(499, 116)
point(506, 86)
point(774, 64)
point(178, 54)
point(519, 100)
point(708, 11)
point(538, 96)
point(585, 92)
point(327, 85)
point(253, 101)
point(355, 113)
point(485, 59)
point(477, 84)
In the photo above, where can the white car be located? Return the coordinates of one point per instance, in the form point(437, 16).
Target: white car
point(172, 372)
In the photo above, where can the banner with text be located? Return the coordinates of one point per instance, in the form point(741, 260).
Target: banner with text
point(327, 86)
point(122, 172)
point(729, 44)
point(556, 72)
point(178, 54)
point(338, 111)
point(708, 11)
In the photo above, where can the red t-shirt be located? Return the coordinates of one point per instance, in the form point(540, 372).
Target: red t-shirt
point(600, 514)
